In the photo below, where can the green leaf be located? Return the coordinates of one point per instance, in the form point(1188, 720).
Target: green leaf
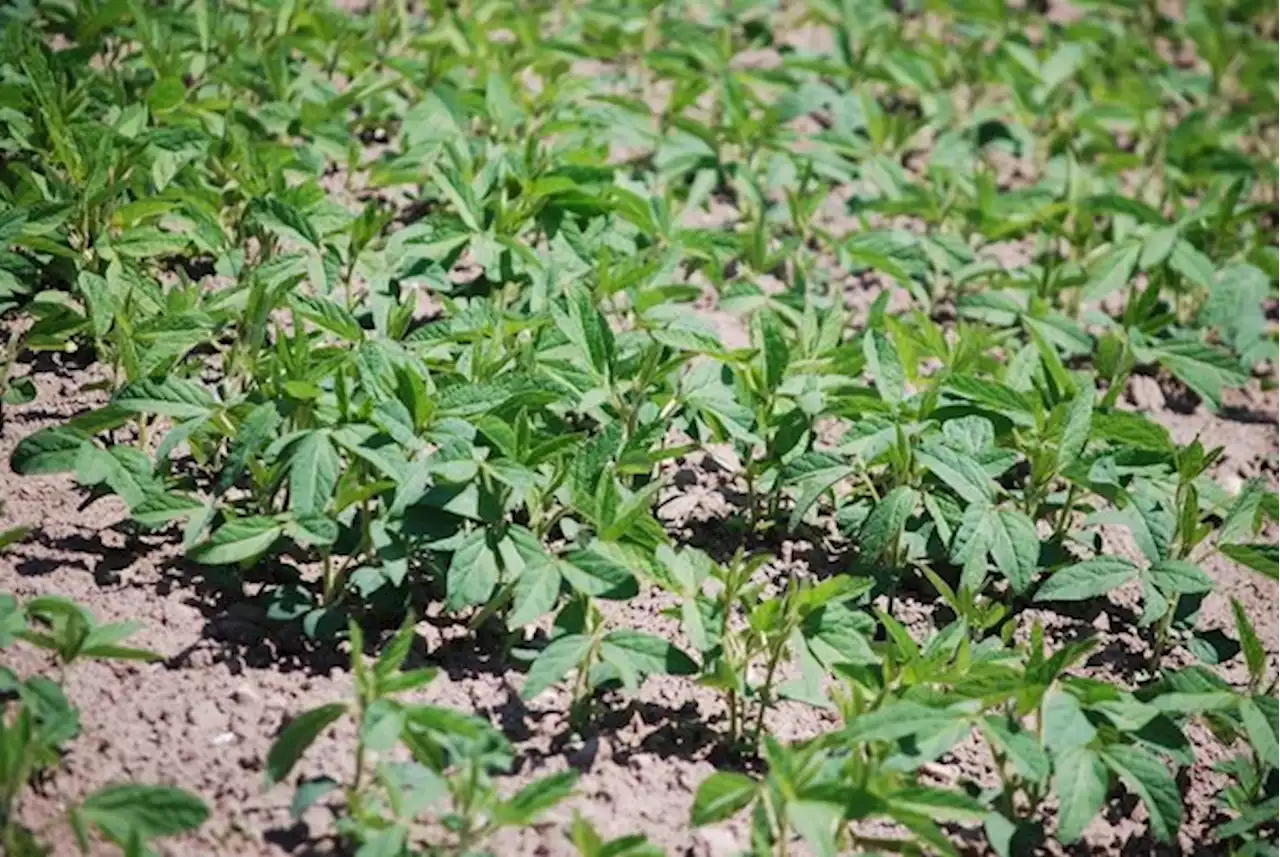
point(885, 523)
point(817, 822)
point(166, 94)
point(959, 472)
point(1192, 264)
point(837, 634)
point(12, 620)
point(147, 242)
point(1262, 557)
point(285, 221)
point(124, 811)
point(631, 511)
point(170, 397)
point(313, 474)
point(1127, 428)
point(456, 191)
point(703, 389)
point(102, 642)
point(255, 433)
point(385, 842)
point(308, 792)
point(649, 654)
point(895, 721)
point(100, 299)
point(536, 798)
point(294, 740)
point(1065, 724)
point(1152, 526)
point(1007, 534)
point(885, 366)
point(684, 335)
point(1021, 748)
point(1146, 776)
point(1255, 655)
point(12, 536)
point(1173, 576)
point(1080, 779)
point(50, 450)
point(554, 662)
point(812, 486)
point(1203, 368)
point(601, 570)
point(238, 540)
point(1075, 436)
point(1242, 517)
point(1015, 546)
point(1087, 579)
point(160, 509)
point(1157, 246)
point(1260, 728)
point(586, 328)
point(940, 804)
point(774, 351)
point(1113, 272)
point(535, 593)
point(994, 396)
point(722, 796)
point(329, 315)
point(1232, 308)
point(125, 470)
point(21, 391)
point(473, 572)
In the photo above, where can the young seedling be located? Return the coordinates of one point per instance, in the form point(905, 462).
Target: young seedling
point(598, 658)
point(446, 798)
point(37, 721)
point(750, 639)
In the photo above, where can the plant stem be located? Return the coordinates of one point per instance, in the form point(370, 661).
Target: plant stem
point(766, 690)
point(732, 715)
point(1161, 641)
point(1064, 516)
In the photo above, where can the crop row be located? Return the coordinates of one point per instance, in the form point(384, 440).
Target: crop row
point(406, 308)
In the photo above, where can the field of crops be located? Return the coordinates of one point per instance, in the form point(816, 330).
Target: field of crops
point(620, 428)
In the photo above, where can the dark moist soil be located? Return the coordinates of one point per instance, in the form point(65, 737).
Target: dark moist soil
point(204, 718)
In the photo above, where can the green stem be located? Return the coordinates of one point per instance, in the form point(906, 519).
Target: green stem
point(1161, 642)
point(778, 820)
point(495, 604)
point(1113, 390)
point(766, 690)
point(1064, 516)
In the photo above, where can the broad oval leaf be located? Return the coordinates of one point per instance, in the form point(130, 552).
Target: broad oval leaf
point(1080, 779)
point(170, 397)
point(650, 654)
point(554, 662)
point(294, 740)
point(886, 521)
point(1087, 579)
point(1262, 558)
point(123, 811)
point(720, 796)
point(238, 540)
